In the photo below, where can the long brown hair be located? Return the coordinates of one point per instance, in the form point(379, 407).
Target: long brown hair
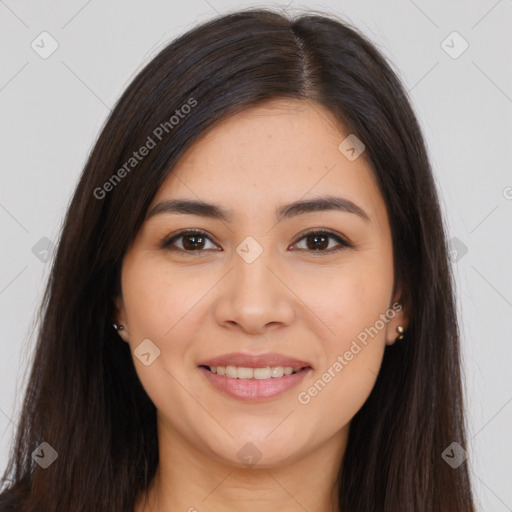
point(84, 397)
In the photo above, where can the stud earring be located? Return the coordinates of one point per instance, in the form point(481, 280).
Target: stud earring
point(118, 327)
point(401, 332)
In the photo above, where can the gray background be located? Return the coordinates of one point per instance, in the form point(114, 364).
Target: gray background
point(53, 108)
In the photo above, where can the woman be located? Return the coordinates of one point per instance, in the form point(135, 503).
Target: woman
point(251, 304)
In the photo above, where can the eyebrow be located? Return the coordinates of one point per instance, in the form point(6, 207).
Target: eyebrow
point(213, 211)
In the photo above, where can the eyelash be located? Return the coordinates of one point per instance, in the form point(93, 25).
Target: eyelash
point(343, 244)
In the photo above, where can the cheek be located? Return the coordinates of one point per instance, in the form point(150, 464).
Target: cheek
point(350, 302)
point(160, 303)
point(156, 310)
point(338, 392)
point(346, 300)
point(351, 357)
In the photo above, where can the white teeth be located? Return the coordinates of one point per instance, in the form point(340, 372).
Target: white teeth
point(240, 372)
point(277, 371)
point(262, 373)
point(244, 373)
point(232, 371)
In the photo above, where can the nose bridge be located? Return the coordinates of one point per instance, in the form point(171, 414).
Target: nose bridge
point(253, 295)
point(252, 275)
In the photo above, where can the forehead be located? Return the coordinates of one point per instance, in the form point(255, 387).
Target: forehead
point(270, 154)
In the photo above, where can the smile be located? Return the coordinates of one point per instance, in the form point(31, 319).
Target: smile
point(241, 372)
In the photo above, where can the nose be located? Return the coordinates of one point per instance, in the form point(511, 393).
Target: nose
point(254, 298)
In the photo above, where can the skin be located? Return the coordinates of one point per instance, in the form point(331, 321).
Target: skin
point(303, 303)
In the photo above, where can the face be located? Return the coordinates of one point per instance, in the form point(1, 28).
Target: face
point(256, 289)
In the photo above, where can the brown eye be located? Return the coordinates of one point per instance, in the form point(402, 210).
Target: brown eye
point(319, 241)
point(191, 241)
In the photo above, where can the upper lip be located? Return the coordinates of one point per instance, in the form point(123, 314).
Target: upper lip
point(255, 360)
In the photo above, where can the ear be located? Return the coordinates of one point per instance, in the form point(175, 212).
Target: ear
point(398, 316)
point(120, 319)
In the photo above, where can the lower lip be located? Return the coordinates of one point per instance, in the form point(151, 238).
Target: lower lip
point(254, 389)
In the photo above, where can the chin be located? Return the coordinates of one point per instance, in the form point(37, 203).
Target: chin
point(258, 453)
